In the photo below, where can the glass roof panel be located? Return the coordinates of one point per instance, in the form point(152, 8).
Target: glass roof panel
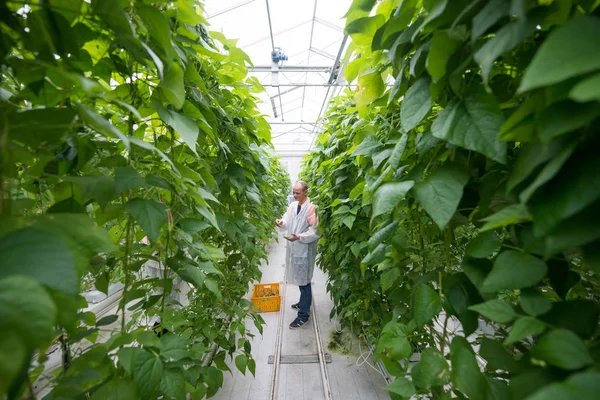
point(310, 33)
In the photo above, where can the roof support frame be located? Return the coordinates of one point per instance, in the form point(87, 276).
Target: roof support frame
point(312, 31)
point(233, 7)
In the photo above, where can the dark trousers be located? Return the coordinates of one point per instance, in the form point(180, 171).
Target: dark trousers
point(305, 301)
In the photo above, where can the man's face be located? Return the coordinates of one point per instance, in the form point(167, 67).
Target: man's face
point(299, 195)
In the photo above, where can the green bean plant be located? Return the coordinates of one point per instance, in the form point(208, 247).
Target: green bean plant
point(459, 195)
point(129, 138)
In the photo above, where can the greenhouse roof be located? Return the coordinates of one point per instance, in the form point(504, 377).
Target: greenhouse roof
point(312, 36)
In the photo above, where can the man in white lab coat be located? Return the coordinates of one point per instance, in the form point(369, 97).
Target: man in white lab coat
point(300, 223)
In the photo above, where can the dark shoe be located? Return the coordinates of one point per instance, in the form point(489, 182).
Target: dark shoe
point(296, 306)
point(298, 323)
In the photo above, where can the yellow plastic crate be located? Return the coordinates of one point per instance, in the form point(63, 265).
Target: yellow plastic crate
point(266, 297)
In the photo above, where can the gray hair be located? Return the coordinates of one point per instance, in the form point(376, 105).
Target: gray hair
point(303, 184)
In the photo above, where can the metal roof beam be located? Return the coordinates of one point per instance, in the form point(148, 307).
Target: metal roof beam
point(262, 39)
point(329, 24)
point(322, 53)
point(233, 7)
point(291, 68)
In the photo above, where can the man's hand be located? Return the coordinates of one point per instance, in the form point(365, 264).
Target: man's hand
point(293, 238)
point(278, 222)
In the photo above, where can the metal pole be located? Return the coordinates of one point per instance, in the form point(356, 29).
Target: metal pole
point(292, 68)
point(308, 85)
point(332, 76)
point(273, 49)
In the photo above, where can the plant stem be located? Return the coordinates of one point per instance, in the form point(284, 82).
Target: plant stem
point(126, 270)
point(30, 388)
point(422, 242)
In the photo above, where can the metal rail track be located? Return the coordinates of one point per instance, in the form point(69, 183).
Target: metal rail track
point(277, 358)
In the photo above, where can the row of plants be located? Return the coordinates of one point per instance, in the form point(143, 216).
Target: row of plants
point(129, 134)
point(466, 192)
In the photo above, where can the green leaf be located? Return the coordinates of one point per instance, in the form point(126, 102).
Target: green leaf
point(375, 256)
point(362, 5)
point(389, 278)
point(387, 197)
point(534, 303)
point(507, 38)
point(586, 90)
point(117, 389)
point(362, 30)
point(443, 46)
point(524, 327)
point(157, 181)
point(563, 349)
point(252, 367)
point(402, 387)
point(509, 215)
point(371, 87)
point(441, 192)
point(100, 125)
point(497, 357)
point(13, 358)
point(209, 268)
point(474, 124)
point(394, 161)
point(529, 158)
point(241, 361)
point(393, 341)
point(573, 189)
point(150, 215)
point(172, 86)
point(427, 304)
point(112, 14)
point(583, 385)
point(459, 293)
point(127, 178)
point(466, 375)
point(487, 17)
point(213, 286)
point(147, 372)
point(569, 51)
point(173, 384)
point(432, 370)
point(26, 310)
point(191, 274)
point(193, 225)
point(564, 117)
point(357, 191)
point(41, 126)
point(514, 270)
point(39, 255)
point(548, 172)
point(367, 147)
point(184, 126)
point(100, 188)
point(496, 310)
point(415, 105)
point(382, 235)
point(173, 347)
point(579, 316)
point(109, 319)
point(159, 29)
point(484, 245)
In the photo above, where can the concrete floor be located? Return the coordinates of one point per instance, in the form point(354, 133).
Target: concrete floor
point(348, 380)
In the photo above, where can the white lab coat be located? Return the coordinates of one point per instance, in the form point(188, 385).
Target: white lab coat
point(301, 254)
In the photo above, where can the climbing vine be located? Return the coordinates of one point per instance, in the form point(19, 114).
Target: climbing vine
point(129, 137)
point(459, 195)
